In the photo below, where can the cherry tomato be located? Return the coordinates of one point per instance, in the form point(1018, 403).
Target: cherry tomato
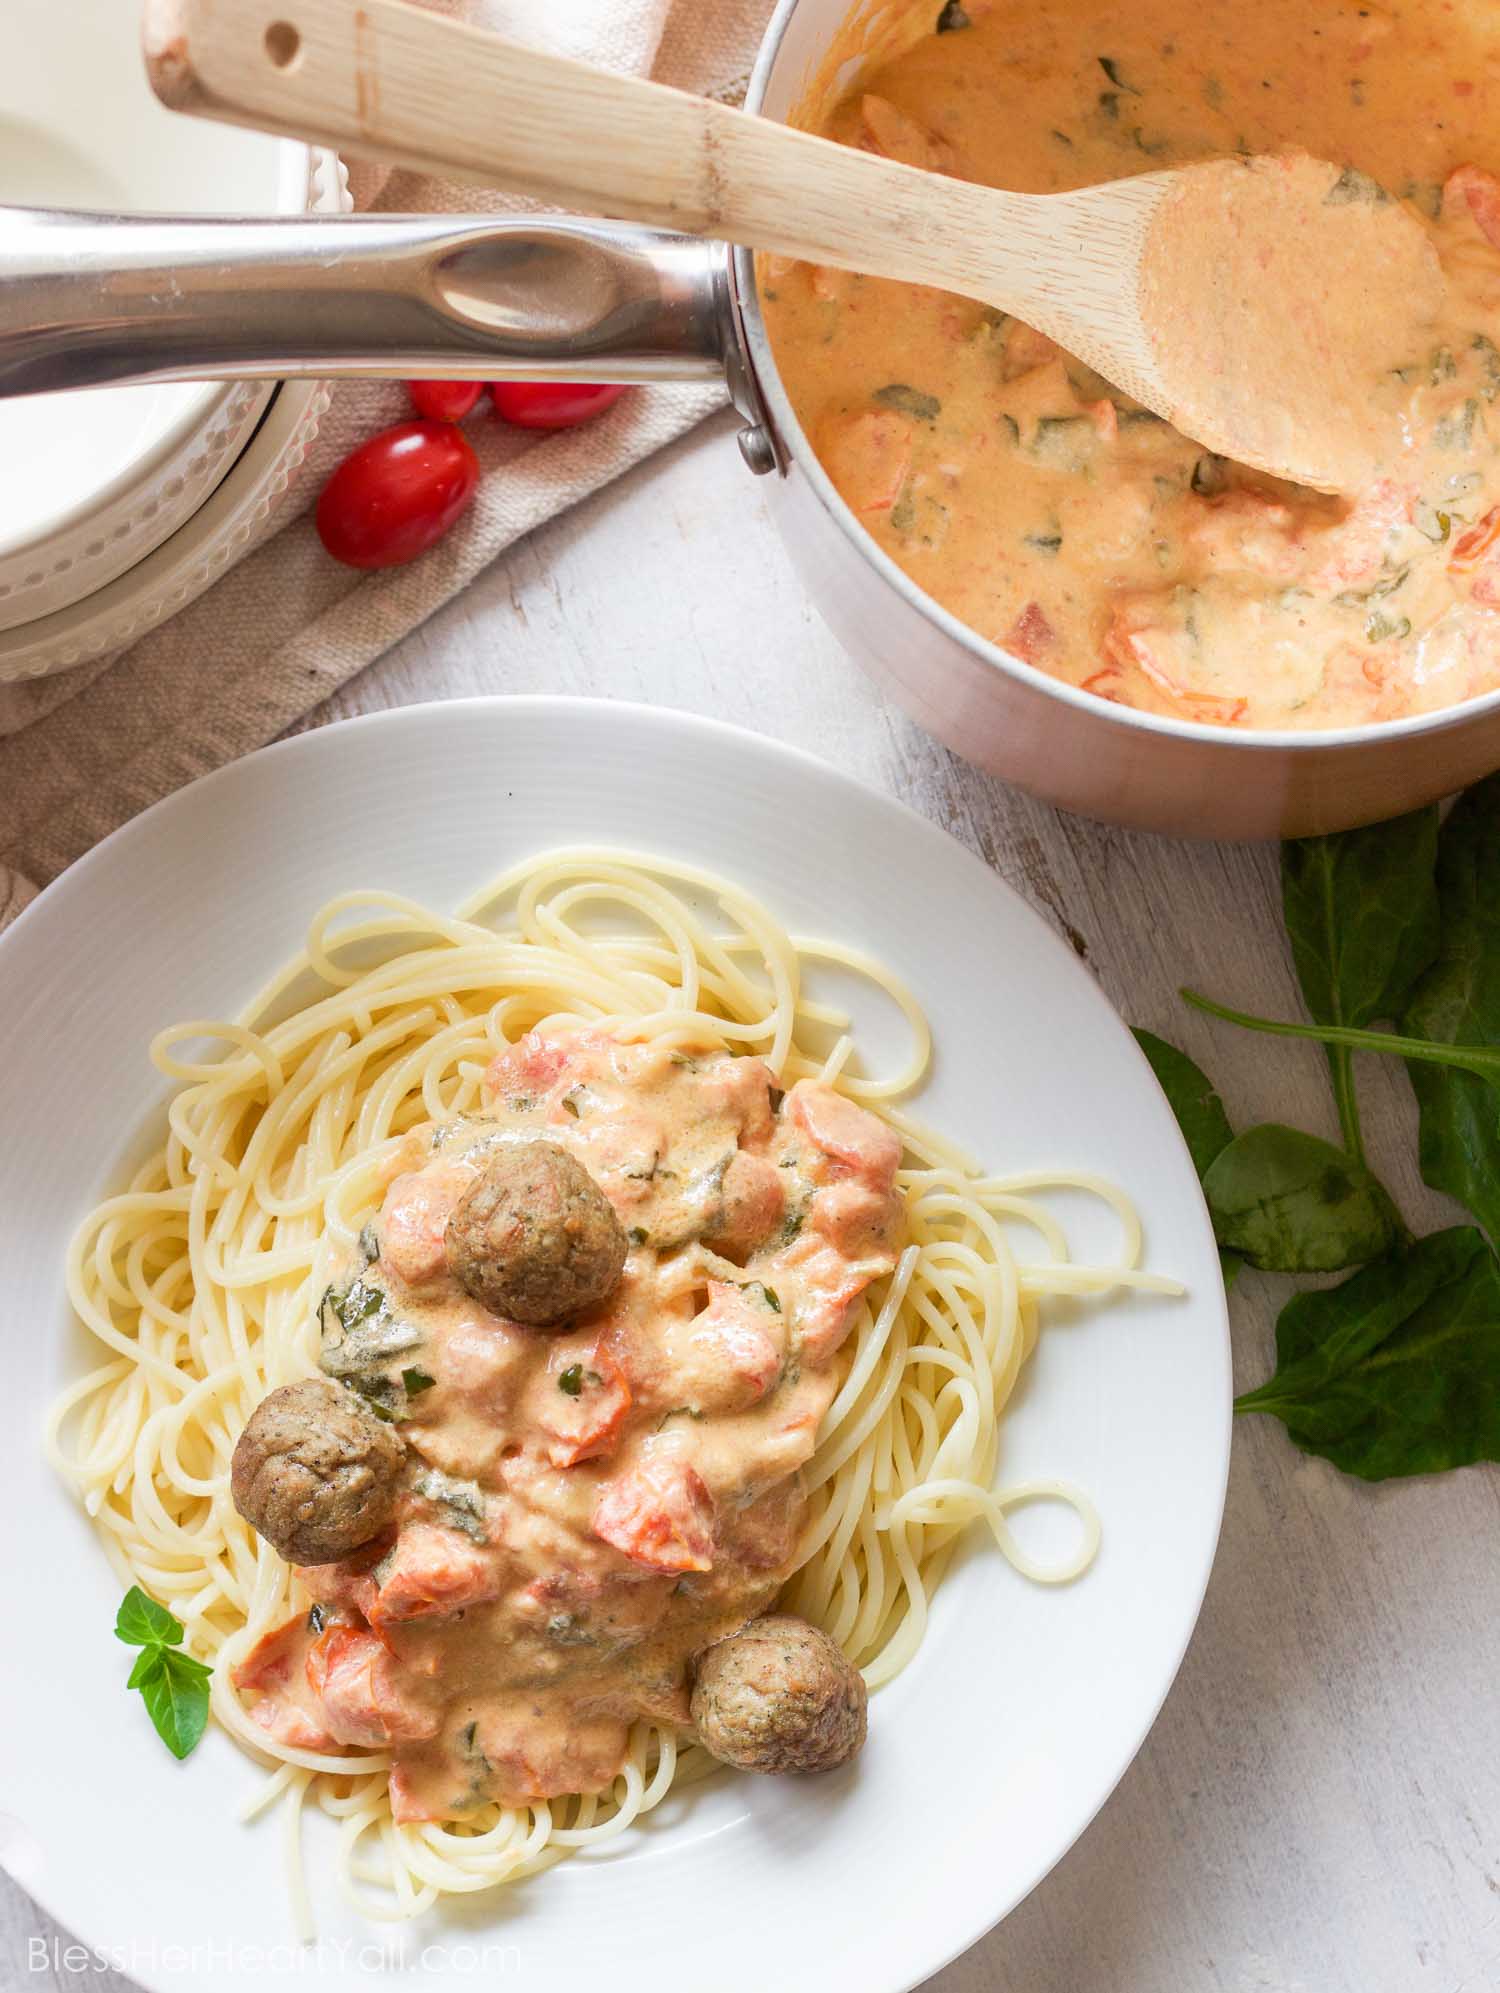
point(444, 401)
point(551, 404)
point(394, 496)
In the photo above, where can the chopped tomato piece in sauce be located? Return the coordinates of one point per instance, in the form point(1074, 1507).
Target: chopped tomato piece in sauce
point(660, 1515)
point(365, 1696)
point(1030, 637)
point(854, 1141)
point(413, 1220)
point(868, 456)
point(586, 1400)
point(432, 1570)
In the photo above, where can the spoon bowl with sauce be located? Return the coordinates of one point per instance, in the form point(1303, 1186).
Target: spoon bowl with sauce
point(1315, 277)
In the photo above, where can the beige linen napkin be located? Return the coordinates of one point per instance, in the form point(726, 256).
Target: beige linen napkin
point(83, 752)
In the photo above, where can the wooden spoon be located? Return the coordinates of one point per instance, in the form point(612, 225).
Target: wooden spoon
point(1254, 303)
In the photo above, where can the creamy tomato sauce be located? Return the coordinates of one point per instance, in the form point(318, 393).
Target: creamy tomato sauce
point(584, 1510)
point(1062, 521)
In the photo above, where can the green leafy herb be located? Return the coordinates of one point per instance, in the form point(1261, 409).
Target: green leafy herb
point(1463, 1058)
point(1382, 627)
point(1200, 1115)
point(678, 1412)
point(638, 1235)
point(1489, 360)
point(1456, 432)
point(951, 18)
point(1048, 543)
point(910, 401)
point(173, 1685)
point(359, 1303)
point(416, 1381)
point(1065, 442)
point(1291, 1203)
point(1458, 1002)
point(1393, 1372)
point(1352, 186)
point(461, 1501)
point(360, 1337)
point(571, 1380)
point(141, 1622)
point(379, 1393)
point(768, 1294)
point(1112, 70)
point(369, 1244)
point(1362, 917)
point(1191, 1096)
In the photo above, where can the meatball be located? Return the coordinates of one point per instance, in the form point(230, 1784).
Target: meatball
point(779, 1697)
point(316, 1472)
point(535, 1238)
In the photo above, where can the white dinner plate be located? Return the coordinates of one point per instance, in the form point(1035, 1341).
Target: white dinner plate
point(111, 473)
point(987, 1757)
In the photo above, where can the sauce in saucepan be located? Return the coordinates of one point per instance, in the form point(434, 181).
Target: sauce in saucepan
point(1063, 522)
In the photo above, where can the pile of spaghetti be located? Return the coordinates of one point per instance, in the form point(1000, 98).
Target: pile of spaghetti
point(200, 1281)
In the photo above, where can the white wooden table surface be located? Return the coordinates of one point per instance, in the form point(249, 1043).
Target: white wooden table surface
point(1318, 1808)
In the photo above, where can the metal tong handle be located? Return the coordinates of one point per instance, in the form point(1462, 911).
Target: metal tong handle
point(87, 299)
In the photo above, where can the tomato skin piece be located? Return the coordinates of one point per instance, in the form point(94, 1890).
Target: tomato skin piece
point(397, 495)
point(445, 401)
point(552, 404)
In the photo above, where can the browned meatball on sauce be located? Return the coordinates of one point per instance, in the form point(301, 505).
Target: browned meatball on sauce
point(315, 1471)
point(779, 1697)
point(535, 1238)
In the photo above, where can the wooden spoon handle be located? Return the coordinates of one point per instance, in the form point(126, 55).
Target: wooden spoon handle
point(397, 83)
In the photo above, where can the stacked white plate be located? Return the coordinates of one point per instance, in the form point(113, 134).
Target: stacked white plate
point(120, 504)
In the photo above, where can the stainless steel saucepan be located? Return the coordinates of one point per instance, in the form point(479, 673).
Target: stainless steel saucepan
point(87, 299)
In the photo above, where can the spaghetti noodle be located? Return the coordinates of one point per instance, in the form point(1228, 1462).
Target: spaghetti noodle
point(201, 1281)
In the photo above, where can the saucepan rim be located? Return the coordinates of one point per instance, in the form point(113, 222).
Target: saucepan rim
point(792, 442)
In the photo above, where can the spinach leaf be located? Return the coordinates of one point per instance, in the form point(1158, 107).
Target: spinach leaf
point(1397, 1370)
point(1200, 1114)
point(1353, 186)
point(462, 1502)
point(1362, 917)
point(1291, 1203)
point(1482, 1060)
point(1191, 1097)
point(911, 401)
point(1458, 1002)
